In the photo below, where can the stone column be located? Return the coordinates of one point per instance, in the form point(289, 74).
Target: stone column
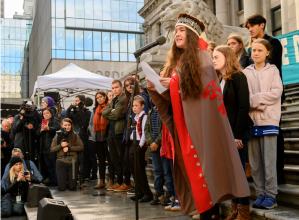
point(250, 7)
point(284, 16)
point(222, 12)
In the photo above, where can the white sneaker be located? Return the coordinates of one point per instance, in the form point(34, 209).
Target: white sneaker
point(176, 207)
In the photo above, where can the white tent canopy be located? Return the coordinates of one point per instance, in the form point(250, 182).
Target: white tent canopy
point(71, 80)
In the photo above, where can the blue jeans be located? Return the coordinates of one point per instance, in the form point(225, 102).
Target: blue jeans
point(243, 156)
point(51, 167)
point(162, 170)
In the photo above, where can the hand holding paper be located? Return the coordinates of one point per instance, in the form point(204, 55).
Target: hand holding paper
point(152, 76)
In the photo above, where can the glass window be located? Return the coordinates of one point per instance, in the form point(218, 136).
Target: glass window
point(12, 22)
point(2, 32)
point(70, 8)
point(124, 26)
point(123, 57)
point(115, 26)
point(60, 54)
point(88, 55)
point(107, 11)
point(18, 33)
point(60, 39)
point(88, 24)
point(277, 18)
point(53, 8)
point(12, 33)
point(114, 42)
point(79, 9)
point(23, 23)
point(131, 42)
point(53, 22)
point(106, 42)
point(97, 55)
point(124, 12)
point(133, 12)
point(97, 42)
point(54, 54)
point(97, 8)
point(23, 34)
point(18, 23)
point(139, 41)
point(132, 27)
point(241, 5)
point(88, 40)
point(115, 10)
point(12, 50)
point(59, 8)
point(106, 56)
point(70, 54)
point(71, 22)
point(89, 9)
point(79, 41)
point(59, 22)
point(277, 33)
point(132, 58)
point(70, 39)
point(53, 38)
point(106, 24)
point(98, 24)
point(79, 55)
point(80, 23)
point(114, 56)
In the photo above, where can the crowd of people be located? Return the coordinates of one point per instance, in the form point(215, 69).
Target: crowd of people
point(199, 154)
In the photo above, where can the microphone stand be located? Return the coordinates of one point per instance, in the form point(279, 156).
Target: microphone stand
point(132, 122)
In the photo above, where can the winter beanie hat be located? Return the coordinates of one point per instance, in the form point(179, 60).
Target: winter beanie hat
point(49, 100)
point(14, 160)
point(81, 97)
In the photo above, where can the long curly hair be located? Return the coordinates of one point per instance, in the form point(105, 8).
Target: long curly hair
point(232, 65)
point(187, 64)
point(130, 81)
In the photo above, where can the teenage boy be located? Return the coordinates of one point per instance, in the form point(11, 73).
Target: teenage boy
point(256, 26)
point(116, 127)
point(162, 169)
point(145, 194)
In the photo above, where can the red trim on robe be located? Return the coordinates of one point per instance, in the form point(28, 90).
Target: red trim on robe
point(199, 187)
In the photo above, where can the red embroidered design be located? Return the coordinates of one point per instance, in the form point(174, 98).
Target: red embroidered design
point(215, 92)
point(139, 128)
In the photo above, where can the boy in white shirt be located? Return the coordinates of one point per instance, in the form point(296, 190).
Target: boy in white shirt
point(144, 192)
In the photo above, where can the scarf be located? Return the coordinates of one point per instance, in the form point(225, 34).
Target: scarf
point(99, 123)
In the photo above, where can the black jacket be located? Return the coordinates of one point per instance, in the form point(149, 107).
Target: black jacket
point(21, 134)
point(80, 117)
point(18, 188)
point(236, 102)
point(46, 137)
point(276, 54)
point(5, 135)
point(244, 60)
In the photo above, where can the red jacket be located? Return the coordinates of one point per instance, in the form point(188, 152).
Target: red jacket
point(166, 144)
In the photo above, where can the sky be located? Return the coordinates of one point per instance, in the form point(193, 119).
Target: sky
point(12, 6)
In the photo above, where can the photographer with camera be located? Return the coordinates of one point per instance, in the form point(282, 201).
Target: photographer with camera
point(80, 117)
point(16, 183)
point(67, 143)
point(24, 128)
point(46, 133)
point(6, 144)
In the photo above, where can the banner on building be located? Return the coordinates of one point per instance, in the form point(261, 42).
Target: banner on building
point(290, 57)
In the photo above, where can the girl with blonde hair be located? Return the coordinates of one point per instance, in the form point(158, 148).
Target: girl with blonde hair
point(236, 43)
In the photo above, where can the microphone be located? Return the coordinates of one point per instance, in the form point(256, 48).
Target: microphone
point(159, 41)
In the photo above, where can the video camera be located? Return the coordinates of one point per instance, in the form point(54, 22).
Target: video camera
point(29, 109)
point(63, 134)
point(74, 107)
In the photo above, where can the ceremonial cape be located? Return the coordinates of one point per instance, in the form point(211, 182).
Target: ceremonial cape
point(207, 166)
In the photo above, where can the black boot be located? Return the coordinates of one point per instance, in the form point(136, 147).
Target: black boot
point(156, 200)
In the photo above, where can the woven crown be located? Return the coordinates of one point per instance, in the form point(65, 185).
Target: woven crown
point(191, 22)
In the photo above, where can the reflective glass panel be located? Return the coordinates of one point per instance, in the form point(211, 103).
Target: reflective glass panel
point(53, 38)
point(53, 22)
point(115, 26)
point(88, 55)
point(115, 10)
point(80, 23)
point(79, 40)
point(59, 22)
point(131, 42)
point(133, 12)
point(132, 58)
point(54, 54)
point(88, 24)
point(124, 13)
point(114, 42)
point(106, 11)
point(114, 56)
point(97, 55)
point(69, 54)
point(98, 24)
point(71, 22)
point(106, 24)
point(88, 40)
point(124, 26)
point(70, 8)
point(123, 57)
point(53, 8)
point(97, 42)
point(97, 8)
point(70, 39)
point(79, 55)
point(277, 18)
point(106, 41)
point(59, 8)
point(60, 54)
point(106, 56)
point(79, 9)
point(89, 9)
point(60, 38)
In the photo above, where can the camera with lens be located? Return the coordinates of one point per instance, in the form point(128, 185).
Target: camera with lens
point(63, 134)
point(26, 173)
point(29, 109)
point(2, 141)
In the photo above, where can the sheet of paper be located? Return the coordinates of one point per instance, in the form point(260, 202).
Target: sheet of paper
point(152, 76)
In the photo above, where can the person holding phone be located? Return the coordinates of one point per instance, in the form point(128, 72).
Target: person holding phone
point(46, 133)
point(67, 155)
point(16, 183)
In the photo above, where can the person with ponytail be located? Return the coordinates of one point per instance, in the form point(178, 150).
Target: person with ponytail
point(97, 128)
point(207, 168)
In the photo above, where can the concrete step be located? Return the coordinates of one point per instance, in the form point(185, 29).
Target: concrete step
point(290, 132)
point(291, 157)
point(279, 213)
point(291, 143)
point(291, 174)
point(290, 114)
point(291, 89)
point(289, 122)
point(291, 99)
point(292, 106)
point(291, 86)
